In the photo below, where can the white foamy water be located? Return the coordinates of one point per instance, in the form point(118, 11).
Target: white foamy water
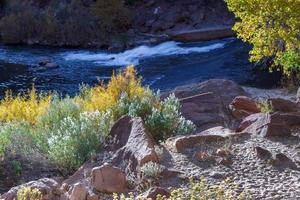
point(134, 56)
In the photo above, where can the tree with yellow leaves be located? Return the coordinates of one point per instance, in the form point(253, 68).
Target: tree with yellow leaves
point(273, 28)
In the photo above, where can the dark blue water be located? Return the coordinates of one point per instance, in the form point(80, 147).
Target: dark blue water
point(163, 67)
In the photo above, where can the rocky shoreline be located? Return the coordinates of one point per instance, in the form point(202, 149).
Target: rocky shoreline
point(238, 140)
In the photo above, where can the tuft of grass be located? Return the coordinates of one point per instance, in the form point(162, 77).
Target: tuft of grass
point(265, 106)
point(152, 170)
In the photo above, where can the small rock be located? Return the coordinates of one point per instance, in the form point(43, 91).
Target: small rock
point(223, 153)
point(79, 192)
point(283, 105)
point(290, 119)
point(264, 124)
point(92, 196)
point(170, 173)
point(203, 156)
point(51, 66)
point(281, 160)
point(44, 61)
point(108, 178)
point(224, 161)
point(243, 106)
point(217, 175)
point(262, 153)
point(153, 192)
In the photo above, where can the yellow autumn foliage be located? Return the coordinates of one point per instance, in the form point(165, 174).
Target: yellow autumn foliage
point(27, 193)
point(272, 27)
point(31, 106)
point(104, 97)
point(196, 191)
point(28, 107)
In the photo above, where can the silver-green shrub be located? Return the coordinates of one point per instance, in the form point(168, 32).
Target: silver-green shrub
point(162, 118)
point(76, 139)
point(166, 120)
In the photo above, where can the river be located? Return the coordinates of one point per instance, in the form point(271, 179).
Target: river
point(163, 66)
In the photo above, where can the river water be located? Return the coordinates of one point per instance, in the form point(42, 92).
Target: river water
point(163, 66)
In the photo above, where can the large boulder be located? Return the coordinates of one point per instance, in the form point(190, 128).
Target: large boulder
point(207, 103)
point(129, 146)
point(132, 143)
point(265, 124)
point(108, 178)
point(48, 187)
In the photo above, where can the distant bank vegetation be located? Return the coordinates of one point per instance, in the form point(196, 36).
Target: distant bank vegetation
point(64, 23)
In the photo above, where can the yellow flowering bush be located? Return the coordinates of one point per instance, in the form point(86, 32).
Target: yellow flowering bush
point(196, 191)
point(28, 107)
point(26, 193)
point(104, 97)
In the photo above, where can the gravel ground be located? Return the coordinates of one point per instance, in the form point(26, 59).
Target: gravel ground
point(258, 178)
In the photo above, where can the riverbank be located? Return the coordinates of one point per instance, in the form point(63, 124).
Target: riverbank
point(151, 22)
point(234, 141)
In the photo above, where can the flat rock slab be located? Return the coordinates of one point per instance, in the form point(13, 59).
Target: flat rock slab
point(203, 34)
point(181, 143)
point(265, 125)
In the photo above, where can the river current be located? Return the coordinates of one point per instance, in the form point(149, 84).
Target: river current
point(162, 66)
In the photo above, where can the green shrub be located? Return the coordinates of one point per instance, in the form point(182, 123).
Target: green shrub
point(162, 118)
point(166, 120)
point(5, 141)
point(152, 170)
point(16, 138)
point(57, 111)
point(76, 139)
point(137, 106)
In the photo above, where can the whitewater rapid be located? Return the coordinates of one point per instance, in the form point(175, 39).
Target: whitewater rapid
point(135, 55)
